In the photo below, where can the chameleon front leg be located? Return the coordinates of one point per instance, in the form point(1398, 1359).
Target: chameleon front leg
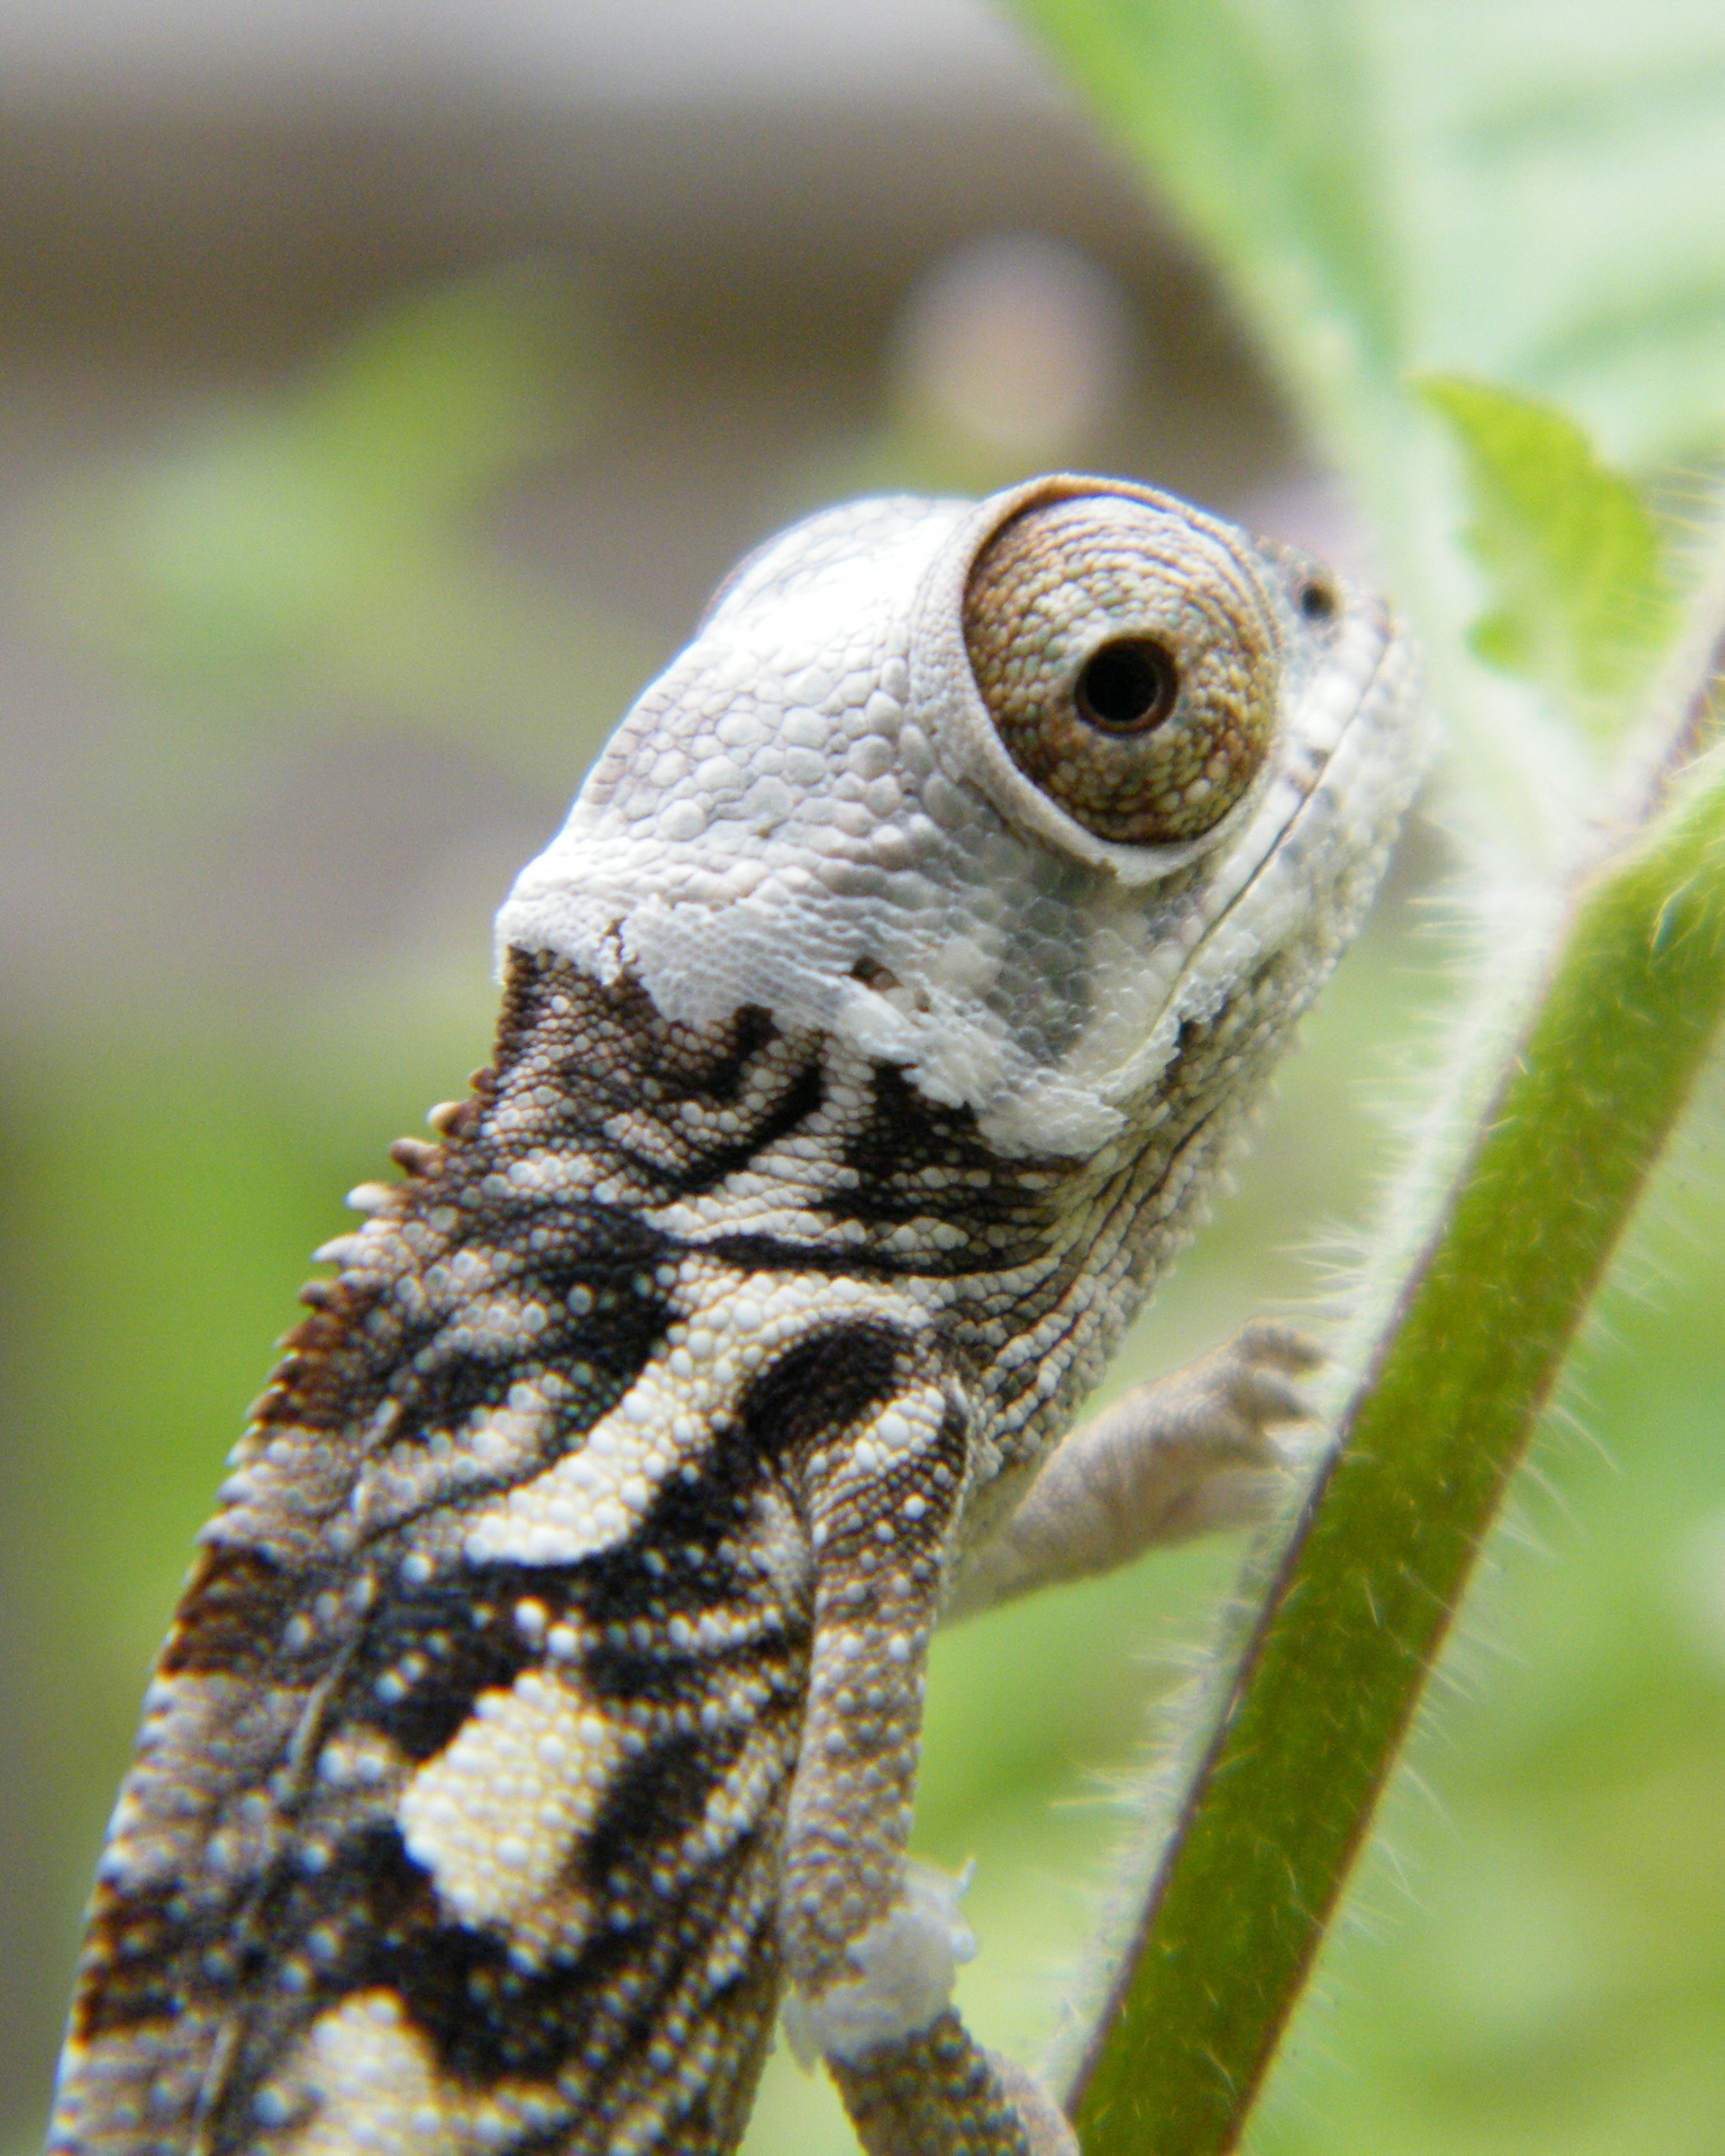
point(870, 1944)
point(1181, 1455)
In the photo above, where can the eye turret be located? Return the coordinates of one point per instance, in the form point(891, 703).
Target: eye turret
point(1129, 659)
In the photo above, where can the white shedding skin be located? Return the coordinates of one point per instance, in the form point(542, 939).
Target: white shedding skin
point(908, 1962)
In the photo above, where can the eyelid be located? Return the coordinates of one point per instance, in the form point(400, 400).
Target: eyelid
point(1068, 578)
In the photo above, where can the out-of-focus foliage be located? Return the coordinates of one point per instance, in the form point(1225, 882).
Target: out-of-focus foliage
point(1582, 602)
point(327, 545)
point(1524, 195)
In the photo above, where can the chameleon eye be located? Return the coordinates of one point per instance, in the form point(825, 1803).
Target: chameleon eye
point(1128, 657)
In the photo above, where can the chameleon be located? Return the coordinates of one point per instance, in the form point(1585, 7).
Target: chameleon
point(542, 1708)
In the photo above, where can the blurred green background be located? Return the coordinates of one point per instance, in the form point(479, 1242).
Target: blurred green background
point(383, 391)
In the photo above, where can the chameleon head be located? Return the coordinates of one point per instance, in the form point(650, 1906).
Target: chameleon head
point(1005, 793)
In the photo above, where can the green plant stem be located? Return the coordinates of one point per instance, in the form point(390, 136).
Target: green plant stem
point(1315, 1711)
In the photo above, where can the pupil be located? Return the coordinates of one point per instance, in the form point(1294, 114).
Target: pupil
point(1127, 687)
point(1317, 602)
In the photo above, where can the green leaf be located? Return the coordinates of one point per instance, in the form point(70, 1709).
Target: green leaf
point(1257, 124)
point(1582, 602)
point(1525, 194)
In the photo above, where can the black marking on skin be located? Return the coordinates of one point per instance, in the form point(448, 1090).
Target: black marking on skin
point(374, 1911)
point(363, 1910)
point(906, 1133)
point(379, 1910)
point(833, 1380)
point(658, 1675)
point(1007, 1209)
point(627, 1061)
point(754, 1253)
point(802, 1097)
point(627, 1589)
point(429, 1640)
point(829, 1382)
point(444, 1396)
point(602, 1250)
point(799, 1097)
point(651, 1805)
point(139, 1943)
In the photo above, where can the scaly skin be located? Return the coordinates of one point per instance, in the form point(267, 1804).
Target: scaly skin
point(546, 1694)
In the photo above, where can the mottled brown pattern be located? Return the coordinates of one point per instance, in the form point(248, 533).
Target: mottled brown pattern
point(933, 2092)
point(317, 1898)
point(259, 1894)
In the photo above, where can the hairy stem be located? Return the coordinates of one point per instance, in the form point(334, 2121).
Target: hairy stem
point(1306, 1728)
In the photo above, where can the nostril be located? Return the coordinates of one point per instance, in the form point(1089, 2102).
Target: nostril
point(1318, 600)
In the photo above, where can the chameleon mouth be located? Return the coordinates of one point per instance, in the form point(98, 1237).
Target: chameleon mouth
point(1311, 773)
point(1308, 867)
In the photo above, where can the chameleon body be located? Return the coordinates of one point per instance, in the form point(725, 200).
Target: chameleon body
point(545, 1698)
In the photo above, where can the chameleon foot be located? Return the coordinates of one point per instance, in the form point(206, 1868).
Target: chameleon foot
point(1178, 1457)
